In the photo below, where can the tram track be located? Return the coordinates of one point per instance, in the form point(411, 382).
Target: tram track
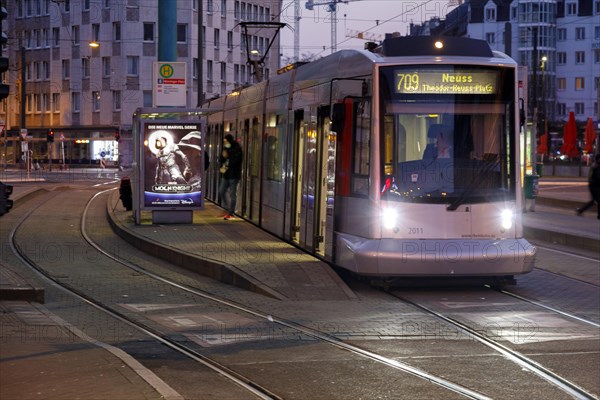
point(253, 387)
point(238, 379)
point(573, 391)
point(525, 362)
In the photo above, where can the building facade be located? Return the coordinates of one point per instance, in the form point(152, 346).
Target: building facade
point(557, 40)
point(87, 95)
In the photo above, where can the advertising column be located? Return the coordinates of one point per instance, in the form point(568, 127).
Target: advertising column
point(173, 166)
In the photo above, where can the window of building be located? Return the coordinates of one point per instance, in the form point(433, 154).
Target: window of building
point(19, 8)
point(597, 7)
point(209, 70)
point(133, 65)
point(66, 69)
point(106, 3)
point(223, 8)
point(561, 58)
point(67, 5)
point(596, 84)
point(195, 68)
point(204, 37)
point(45, 103)
point(75, 35)
point(596, 56)
point(490, 13)
point(75, 102)
point(580, 33)
point(106, 70)
point(148, 32)
point(116, 100)
point(95, 101)
point(217, 38)
point(579, 83)
point(490, 37)
point(236, 74)
point(223, 72)
point(37, 100)
point(181, 33)
point(571, 8)
point(561, 109)
point(561, 34)
point(56, 37)
point(210, 8)
point(86, 5)
point(45, 70)
point(243, 11)
point(580, 57)
point(579, 108)
point(55, 102)
point(147, 100)
point(85, 67)
point(229, 40)
point(561, 84)
point(116, 32)
point(96, 32)
point(597, 32)
point(236, 10)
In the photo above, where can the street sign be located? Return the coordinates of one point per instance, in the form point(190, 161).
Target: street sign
point(169, 84)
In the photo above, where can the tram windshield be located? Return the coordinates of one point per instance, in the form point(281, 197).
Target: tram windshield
point(446, 133)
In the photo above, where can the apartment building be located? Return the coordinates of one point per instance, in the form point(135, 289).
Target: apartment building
point(558, 41)
point(82, 67)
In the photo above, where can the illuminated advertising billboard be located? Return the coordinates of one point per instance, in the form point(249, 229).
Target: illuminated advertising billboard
point(173, 166)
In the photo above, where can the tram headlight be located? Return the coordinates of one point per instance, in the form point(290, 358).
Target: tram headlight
point(507, 219)
point(389, 218)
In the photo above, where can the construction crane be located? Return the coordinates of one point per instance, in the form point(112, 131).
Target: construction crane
point(331, 8)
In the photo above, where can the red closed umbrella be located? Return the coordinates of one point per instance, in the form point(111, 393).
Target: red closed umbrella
point(569, 147)
point(590, 136)
point(543, 146)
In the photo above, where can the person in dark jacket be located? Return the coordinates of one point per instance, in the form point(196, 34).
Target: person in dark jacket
point(231, 173)
point(594, 186)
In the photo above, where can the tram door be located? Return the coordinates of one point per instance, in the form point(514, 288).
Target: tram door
point(313, 170)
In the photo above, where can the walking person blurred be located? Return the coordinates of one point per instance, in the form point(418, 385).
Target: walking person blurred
point(594, 186)
point(231, 173)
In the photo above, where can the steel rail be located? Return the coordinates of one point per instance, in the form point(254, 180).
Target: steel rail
point(516, 357)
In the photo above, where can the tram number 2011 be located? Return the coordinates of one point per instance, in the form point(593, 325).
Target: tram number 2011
point(415, 231)
point(407, 83)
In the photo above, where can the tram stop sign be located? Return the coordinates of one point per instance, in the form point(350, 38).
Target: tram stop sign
point(169, 87)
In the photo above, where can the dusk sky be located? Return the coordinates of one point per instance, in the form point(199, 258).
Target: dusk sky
point(376, 17)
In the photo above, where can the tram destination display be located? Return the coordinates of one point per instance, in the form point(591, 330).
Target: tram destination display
point(445, 81)
point(173, 166)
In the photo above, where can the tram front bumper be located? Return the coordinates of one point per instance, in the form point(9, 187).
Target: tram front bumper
point(435, 257)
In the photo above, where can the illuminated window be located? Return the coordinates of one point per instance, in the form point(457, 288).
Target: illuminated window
point(579, 83)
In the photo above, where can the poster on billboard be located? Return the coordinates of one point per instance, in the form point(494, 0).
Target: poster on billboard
point(173, 166)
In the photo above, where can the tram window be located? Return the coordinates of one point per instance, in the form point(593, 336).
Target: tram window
point(388, 143)
point(362, 147)
point(255, 147)
point(275, 131)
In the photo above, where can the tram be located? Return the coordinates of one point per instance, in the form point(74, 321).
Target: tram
point(399, 161)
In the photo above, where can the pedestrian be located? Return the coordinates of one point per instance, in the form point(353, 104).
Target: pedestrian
point(594, 187)
point(231, 173)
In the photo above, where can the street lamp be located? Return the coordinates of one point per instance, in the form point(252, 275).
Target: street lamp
point(94, 44)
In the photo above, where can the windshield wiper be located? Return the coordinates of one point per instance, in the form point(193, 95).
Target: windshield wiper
point(480, 177)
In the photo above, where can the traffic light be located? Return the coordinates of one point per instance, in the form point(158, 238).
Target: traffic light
point(4, 88)
point(117, 135)
point(5, 202)
point(50, 136)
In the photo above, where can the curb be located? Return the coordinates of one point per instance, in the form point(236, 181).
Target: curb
point(219, 271)
point(565, 239)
